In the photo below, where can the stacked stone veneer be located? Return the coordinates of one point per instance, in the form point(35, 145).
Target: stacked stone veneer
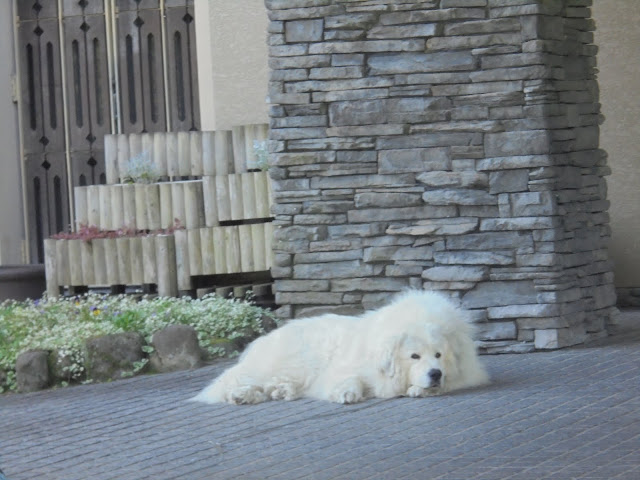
point(448, 145)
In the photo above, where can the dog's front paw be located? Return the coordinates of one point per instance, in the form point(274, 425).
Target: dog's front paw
point(247, 394)
point(349, 391)
point(414, 391)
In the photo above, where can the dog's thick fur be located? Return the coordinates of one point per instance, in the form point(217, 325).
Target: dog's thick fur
point(418, 345)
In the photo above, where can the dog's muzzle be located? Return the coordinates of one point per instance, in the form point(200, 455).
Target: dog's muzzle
point(435, 375)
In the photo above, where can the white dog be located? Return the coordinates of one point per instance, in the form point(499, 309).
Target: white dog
point(418, 345)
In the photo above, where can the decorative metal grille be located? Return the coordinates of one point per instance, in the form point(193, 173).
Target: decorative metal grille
point(89, 68)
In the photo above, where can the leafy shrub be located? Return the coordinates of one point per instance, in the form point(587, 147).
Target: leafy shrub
point(141, 169)
point(64, 324)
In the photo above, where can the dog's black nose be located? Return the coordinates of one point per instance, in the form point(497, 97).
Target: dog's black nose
point(435, 374)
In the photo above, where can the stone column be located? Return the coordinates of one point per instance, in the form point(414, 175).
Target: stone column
point(448, 145)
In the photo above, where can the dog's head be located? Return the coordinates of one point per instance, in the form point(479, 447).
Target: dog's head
point(421, 360)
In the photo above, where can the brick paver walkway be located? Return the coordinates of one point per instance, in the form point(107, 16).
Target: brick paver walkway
point(570, 414)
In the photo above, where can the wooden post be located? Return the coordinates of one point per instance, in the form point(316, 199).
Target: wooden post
point(152, 196)
point(249, 210)
point(239, 149)
point(86, 254)
point(124, 261)
point(263, 207)
point(206, 245)
point(62, 260)
point(149, 264)
point(173, 164)
point(183, 272)
point(116, 206)
point(166, 263)
point(193, 204)
point(219, 250)
point(160, 153)
point(99, 266)
point(81, 206)
point(195, 146)
point(146, 140)
point(210, 200)
point(247, 248)
point(111, 261)
point(184, 161)
point(208, 153)
point(223, 198)
point(141, 206)
point(75, 262)
point(166, 205)
point(257, 237)
point(235, 196)
point(195, 252)
point(137, 268)
point(224, 159)
point(123, 154)
point(177, 201)
point(106, 221)
point(51, 267)
point(111, 158)
point(129, 205)
point(232, 249)
point(93, 200)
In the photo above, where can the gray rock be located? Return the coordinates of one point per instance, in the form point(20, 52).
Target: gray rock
point(111, 356)
point(175, 347)
point(32, 371)
point(59, 367)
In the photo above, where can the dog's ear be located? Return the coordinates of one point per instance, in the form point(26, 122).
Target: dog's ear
point(387, 356)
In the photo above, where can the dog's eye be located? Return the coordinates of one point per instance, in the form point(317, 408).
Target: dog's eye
point(415, 356)
point(438, 355)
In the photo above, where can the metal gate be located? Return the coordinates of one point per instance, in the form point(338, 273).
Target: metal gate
point(87, 68)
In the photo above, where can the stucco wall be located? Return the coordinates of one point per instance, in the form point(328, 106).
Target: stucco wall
point(618, 37)
point(232, 62)
point(11, 223)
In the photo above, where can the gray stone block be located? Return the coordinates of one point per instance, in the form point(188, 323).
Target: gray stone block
point(474, 258)
point(32, 371)
point(448, 226)
point(496, 331)
point(492, 294)
point(413, 160)
point(397, 63)
point(520, 143)
point(456, 274)
point(441, 179)
point(175, 347)
point(508, 181)
point(452, 196)
point(559, 338)
point(303, 30)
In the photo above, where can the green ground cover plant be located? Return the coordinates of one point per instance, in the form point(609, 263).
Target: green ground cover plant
point(63, 324)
